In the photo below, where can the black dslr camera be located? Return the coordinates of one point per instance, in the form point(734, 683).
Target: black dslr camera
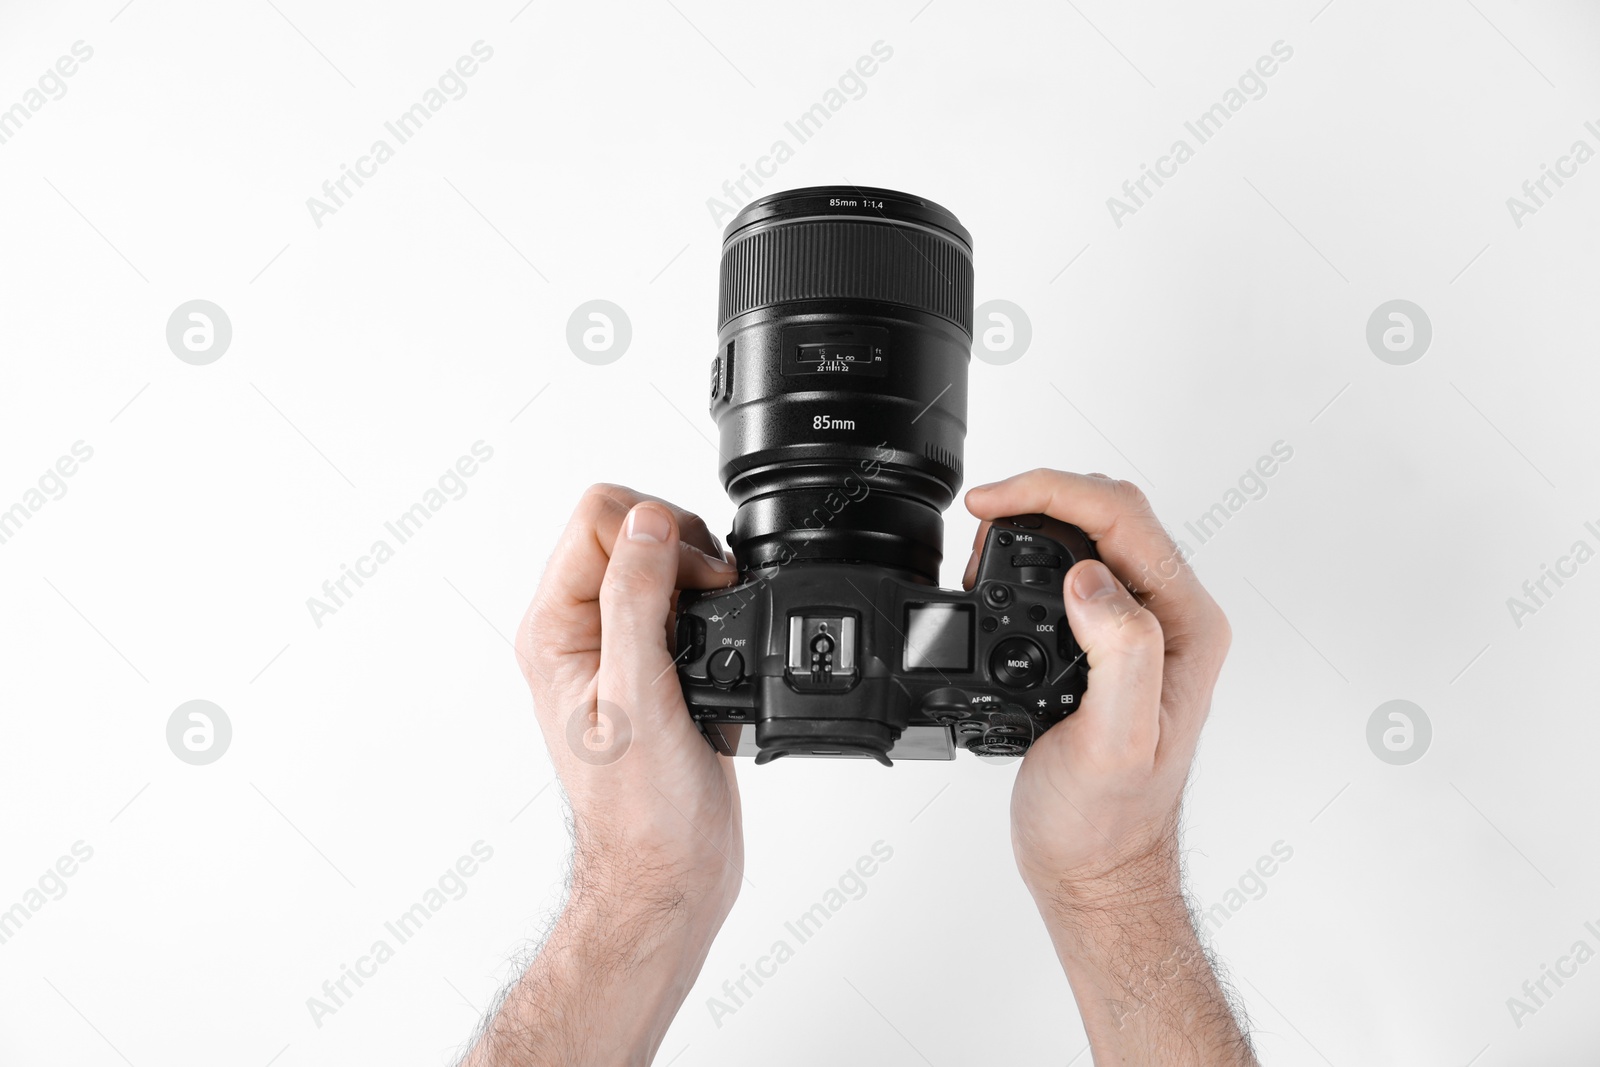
point(840, 392)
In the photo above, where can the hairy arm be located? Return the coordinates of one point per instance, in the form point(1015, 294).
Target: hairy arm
point(1146, 987)
point(658, 844)
point(607, 982)
point(1095, 809)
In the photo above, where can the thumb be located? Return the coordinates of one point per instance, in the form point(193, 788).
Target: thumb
point(1123, 643)
point(635, 600)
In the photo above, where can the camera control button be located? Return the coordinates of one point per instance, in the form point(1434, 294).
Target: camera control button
point(1038, 613)
point(691, 637)
point(998, 746)
point(989, 624)
point(1017, 663)
point(1037, 568)
point(997, 595)
point(726, 667)
point(946, 705)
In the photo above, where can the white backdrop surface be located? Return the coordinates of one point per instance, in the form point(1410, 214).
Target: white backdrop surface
point(1176, 338)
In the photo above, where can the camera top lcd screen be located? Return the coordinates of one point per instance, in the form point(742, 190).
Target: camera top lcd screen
point(939, 637)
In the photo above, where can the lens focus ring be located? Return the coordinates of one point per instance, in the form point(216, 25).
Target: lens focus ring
point(855, 258)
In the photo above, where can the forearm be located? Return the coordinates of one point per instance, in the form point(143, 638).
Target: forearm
point(606, 983)
point(1144, 984)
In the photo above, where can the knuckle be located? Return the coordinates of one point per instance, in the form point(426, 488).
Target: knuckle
point(1042, 474)
point(1134, 631)
point(523, 653)
point(1219, 623)
point(600, 498)
point(538, 626)
point(1130, 496)
point(1220, 631)
point(529, 650)
point(625, 587)
point(692, 527)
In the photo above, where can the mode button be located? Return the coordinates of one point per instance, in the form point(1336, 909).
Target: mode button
point(1017, 663)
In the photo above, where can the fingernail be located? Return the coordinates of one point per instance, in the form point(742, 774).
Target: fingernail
point(1093, 581)
point(716, 563)
point(647, 523)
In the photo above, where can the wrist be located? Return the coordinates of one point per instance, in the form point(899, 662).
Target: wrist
point(1142, 880)
point(644, 905)
point(1143, 981)
point(650, 887)
point(609, 978)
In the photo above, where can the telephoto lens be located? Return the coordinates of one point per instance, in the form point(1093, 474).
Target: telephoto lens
point(839, 388)
point(844, 331)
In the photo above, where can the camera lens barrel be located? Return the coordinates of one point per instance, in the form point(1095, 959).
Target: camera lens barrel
point(840, 383)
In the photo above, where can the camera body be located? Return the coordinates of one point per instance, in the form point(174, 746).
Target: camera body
point(837, 659)
point(839, 390)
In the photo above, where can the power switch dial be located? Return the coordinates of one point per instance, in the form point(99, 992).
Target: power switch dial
point(726, 667)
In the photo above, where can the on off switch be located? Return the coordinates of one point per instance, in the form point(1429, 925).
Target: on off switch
point(726, 667)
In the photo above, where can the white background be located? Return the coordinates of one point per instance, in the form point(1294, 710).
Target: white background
point(368, 354)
